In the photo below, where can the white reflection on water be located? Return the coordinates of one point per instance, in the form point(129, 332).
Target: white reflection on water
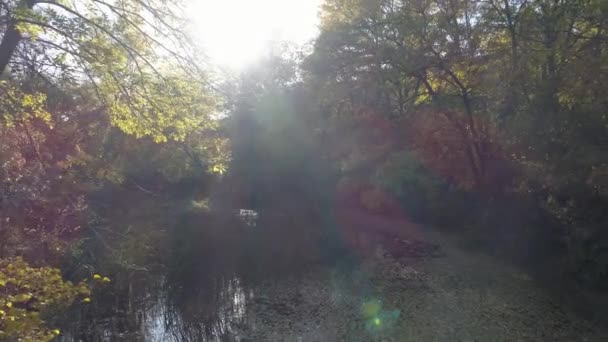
point(249, 216)
point(163, 322)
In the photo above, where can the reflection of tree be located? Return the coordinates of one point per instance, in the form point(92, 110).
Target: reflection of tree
point(212, 313)
point(145, 307)
point(210, 263)
point(204, 296)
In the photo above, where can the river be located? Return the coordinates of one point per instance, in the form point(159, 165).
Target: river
point(415, 285)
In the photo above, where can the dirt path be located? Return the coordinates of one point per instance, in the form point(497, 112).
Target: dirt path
point(457, 296)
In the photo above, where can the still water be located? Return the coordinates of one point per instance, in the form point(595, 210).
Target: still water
point(251, 284)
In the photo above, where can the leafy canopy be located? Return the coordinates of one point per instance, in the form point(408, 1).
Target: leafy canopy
point(135, 56)
point(29, 293)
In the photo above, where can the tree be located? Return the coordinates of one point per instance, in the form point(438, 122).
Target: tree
point(28, 295)
point(499, 97)
point(134, 55)
point(401, 58)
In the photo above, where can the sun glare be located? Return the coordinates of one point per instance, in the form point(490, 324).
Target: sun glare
point(234, 33)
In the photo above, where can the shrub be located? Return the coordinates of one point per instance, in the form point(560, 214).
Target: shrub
point(29, 293)
point(407, 179)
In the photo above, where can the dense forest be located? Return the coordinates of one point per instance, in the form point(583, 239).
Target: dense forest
point(130, 164)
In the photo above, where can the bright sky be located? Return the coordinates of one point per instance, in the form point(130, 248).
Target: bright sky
point(235, 33)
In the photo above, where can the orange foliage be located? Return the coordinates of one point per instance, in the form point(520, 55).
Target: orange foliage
point(443, 142)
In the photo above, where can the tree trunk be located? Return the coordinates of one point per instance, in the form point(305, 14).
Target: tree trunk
point(469, 137)
point(9, 44)
point(511, 99)
point(11, 37)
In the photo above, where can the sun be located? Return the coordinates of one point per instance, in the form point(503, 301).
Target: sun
point(235, 33)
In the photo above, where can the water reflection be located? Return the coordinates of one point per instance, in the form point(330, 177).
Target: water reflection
point(248, 216)
point(174, 313)
point(201, 292)
point(197, 319)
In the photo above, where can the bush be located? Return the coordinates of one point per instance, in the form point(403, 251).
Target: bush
point(27, 294)
point(416, 188)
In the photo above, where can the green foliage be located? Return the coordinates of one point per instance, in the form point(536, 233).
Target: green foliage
point(406, 178)
point(493, 97)
point(132, 53)
point(17, 107)
point(167, 108)
point(90, 67)
point(275, 150)
point(94, 95)
point(28, 294)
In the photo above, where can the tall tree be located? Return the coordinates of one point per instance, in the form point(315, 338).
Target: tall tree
point(500, 96)
point(135, 55)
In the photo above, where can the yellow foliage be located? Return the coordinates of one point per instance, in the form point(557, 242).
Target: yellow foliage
point(29, 292)
point(17, 107)
point(168, 109)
